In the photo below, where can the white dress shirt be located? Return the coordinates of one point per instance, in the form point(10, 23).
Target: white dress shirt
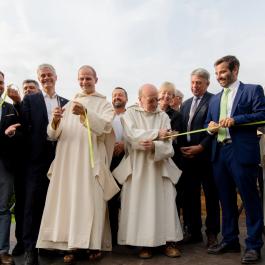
point(231, 97)
point(117, 127)
point(51, 103)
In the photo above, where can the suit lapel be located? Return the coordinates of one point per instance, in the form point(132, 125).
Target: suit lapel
point(237, 98)
point(61, 101)
point(40, 102)
point(202, 102)
point(217, 102)
point(4, 110)
point(3, 114)
point(187, 113)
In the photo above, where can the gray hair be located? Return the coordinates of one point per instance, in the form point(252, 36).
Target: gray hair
point(45, 65)
point(167, 85)
point(178, 93)
point(201, 72)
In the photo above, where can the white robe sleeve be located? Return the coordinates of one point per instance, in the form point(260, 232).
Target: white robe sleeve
point(163, 149)
point(102, 123)
point(134, 135)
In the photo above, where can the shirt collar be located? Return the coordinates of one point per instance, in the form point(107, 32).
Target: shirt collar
point(234, 85)
point(45, 95)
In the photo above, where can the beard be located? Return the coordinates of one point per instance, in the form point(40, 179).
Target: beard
point(118, 104)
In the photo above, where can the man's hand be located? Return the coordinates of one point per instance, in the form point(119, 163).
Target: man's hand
point(11, 130)
point(147, 144)
point(57, 114)
point(213, 127)
point(191, 151)
point(118, 148)
point(163, 133)
point(78, 109)
point(227, 122)
point(13, 94)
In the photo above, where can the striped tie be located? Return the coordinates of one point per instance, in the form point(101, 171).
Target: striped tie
point(192, 112)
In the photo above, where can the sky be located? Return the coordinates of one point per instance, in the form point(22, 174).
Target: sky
point(130, 42)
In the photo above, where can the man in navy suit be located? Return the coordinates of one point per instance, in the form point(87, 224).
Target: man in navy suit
point(197, 168)
point(36, 114)
point(235, 156)
point(8, 116)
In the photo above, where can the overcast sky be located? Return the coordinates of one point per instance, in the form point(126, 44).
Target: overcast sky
point(130, 42)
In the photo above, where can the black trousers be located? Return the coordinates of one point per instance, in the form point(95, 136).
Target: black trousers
point(36, 190)
point(198, 173)
point(19, 188)
point(114, 204)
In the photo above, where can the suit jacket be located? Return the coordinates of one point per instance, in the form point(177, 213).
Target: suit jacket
point(35, 122)
point(198, 122)
point(7, 144)
point(248, 106)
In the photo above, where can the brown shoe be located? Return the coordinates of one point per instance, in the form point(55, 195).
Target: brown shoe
point(6, 259)
point(211, 240)
point(94, 254)
point(145, 253)
point(69, 259)
point(171, 250)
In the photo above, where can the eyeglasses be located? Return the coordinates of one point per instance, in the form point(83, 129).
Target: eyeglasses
point(151, 99)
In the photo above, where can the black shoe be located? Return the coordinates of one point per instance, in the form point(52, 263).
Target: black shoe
point(31, 258)
point(191, 238)
point(224, 248)
point(251, 256)
point(18, 250)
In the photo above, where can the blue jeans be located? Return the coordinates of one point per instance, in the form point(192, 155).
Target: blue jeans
point(6, 191)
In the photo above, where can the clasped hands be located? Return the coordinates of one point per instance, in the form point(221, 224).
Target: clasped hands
point(213, 127)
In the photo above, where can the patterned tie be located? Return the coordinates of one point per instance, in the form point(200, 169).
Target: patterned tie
point(192, 112)
point(222, 132)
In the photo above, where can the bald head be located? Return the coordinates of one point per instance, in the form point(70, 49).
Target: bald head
point(146, 88)
point(148, 97)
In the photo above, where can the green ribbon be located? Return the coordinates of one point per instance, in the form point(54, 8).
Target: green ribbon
point(90, 144)
point(3, 100)
point(206, 129)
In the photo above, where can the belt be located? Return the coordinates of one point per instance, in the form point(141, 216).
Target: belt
point(225, 142)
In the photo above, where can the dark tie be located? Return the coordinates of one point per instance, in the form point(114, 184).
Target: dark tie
point(193, 108)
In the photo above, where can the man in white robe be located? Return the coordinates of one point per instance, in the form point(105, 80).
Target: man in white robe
point(148, 215)
point(75, 214)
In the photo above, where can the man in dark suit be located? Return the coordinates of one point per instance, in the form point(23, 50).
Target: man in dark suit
point(29, 86)
point(8, 116)
point(236, 156)
point(197, 169)
point(36, 114)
